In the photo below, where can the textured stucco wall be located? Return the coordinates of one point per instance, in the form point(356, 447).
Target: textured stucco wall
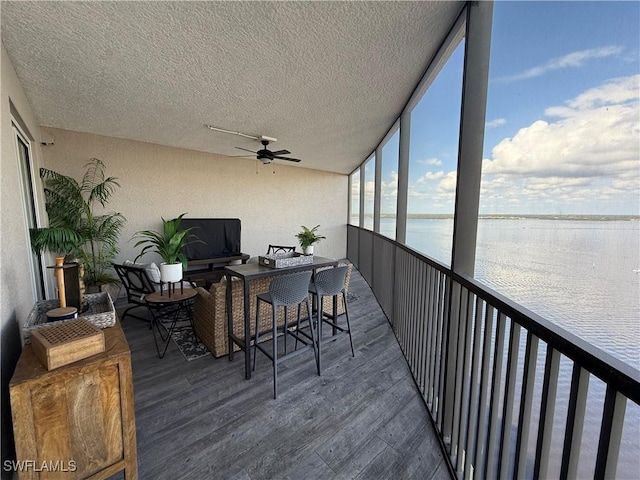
point(158, 181)
point(16, 292)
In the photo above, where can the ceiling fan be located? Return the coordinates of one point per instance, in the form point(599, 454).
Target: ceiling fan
point(266, 156)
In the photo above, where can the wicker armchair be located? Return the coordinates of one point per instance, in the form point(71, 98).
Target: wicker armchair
point(210, 312)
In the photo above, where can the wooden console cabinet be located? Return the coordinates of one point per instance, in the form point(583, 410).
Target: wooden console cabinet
point(76, 421)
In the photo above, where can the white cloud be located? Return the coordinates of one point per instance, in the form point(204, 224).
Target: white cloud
point(431, 176)
point(369, 189)
point(571, 60)
point(390, 189)
point(355, 187)
point(447, 185)
point(431, 162)
point(585, 151)
point(495, 123)
point(615, 91)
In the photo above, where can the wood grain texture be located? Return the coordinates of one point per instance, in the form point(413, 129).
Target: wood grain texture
point(363, 417)
point(76, 413)
point(65, 343)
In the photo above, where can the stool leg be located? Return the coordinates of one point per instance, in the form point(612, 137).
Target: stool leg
point(334, 311)
point(298, 325)
point(255, 342)
point(286, 328)
point(316, 352)
point(346, 315)
point(274, 320)
point(319, 313)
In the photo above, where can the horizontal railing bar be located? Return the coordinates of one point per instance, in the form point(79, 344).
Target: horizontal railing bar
point(467, 374)
point(611, 370)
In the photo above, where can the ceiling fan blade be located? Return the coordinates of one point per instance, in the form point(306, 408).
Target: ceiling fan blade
point(246, 150)
point(242, 156)
point(287, 158)
point(281, 152)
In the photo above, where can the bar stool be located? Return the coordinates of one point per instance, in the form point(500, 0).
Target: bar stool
point(330, 283)
point(286, 291)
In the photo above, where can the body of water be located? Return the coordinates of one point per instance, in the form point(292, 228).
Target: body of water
point(583, 275)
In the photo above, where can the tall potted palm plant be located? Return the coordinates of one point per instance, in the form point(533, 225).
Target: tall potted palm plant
point(75, 229)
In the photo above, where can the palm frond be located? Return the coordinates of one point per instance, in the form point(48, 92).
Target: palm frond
point(73, 228)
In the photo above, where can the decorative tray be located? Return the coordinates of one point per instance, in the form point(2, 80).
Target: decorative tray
point(97, 308)
point(281, 260)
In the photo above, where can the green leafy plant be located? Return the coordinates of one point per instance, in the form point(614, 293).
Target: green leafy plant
point(75, 230)
point(169, 243)
point(308, 236)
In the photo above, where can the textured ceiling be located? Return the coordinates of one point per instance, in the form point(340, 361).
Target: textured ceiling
point(327, 79)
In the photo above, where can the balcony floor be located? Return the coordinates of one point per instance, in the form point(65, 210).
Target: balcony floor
point(363, 418)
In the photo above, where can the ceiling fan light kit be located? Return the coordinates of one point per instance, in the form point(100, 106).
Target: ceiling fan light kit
point(265, 155)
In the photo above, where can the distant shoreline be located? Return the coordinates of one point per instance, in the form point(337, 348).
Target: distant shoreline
point(514, 216)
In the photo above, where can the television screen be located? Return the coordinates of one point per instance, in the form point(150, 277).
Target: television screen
point(221, 237)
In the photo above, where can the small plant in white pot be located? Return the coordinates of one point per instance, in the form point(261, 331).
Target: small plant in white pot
point(168, 245)
point(307, 238)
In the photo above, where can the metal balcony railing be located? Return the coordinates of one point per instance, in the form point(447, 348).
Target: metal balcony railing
point(509, 392)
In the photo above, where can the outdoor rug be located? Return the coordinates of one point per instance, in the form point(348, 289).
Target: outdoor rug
point(187, 342)
point(192, 348)
point(352, 297)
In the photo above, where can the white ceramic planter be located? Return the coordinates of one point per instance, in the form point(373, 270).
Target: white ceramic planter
point(308, 250)
point(170, 272)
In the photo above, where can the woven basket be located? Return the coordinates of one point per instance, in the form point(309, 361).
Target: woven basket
point(97, 308)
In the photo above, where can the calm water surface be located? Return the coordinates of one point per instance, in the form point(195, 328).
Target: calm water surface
point(583, 275)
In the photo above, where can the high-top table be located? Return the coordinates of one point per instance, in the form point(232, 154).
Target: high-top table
point(247, 273)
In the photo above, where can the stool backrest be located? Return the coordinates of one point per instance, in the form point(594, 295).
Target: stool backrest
point(290, 289)
point(330, 281)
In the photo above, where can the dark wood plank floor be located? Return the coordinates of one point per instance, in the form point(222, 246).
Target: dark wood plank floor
point(363, 418)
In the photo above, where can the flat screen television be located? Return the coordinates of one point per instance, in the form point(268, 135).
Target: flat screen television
point(221, 237)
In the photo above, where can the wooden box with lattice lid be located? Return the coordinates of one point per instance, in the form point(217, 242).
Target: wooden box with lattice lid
point(66, 342)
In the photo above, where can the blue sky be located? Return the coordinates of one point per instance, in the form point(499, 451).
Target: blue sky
point(563, 116)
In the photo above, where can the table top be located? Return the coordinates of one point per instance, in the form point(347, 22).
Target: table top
point(207, 261)
point(255, 270)
point(176, 296)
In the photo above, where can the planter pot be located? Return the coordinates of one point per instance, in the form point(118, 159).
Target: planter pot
point(170, 272)
point(308, 250)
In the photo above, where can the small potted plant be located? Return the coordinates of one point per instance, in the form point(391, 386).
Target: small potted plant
point(307, 237)
point(168, 245)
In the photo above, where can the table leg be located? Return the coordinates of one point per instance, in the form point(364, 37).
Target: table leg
point(157, 321)
point(247, 331)
point(230, 316)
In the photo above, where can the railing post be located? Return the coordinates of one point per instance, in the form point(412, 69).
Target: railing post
point(377, 196)
point(472, 118)
point(362, 192)
point(403, 177)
